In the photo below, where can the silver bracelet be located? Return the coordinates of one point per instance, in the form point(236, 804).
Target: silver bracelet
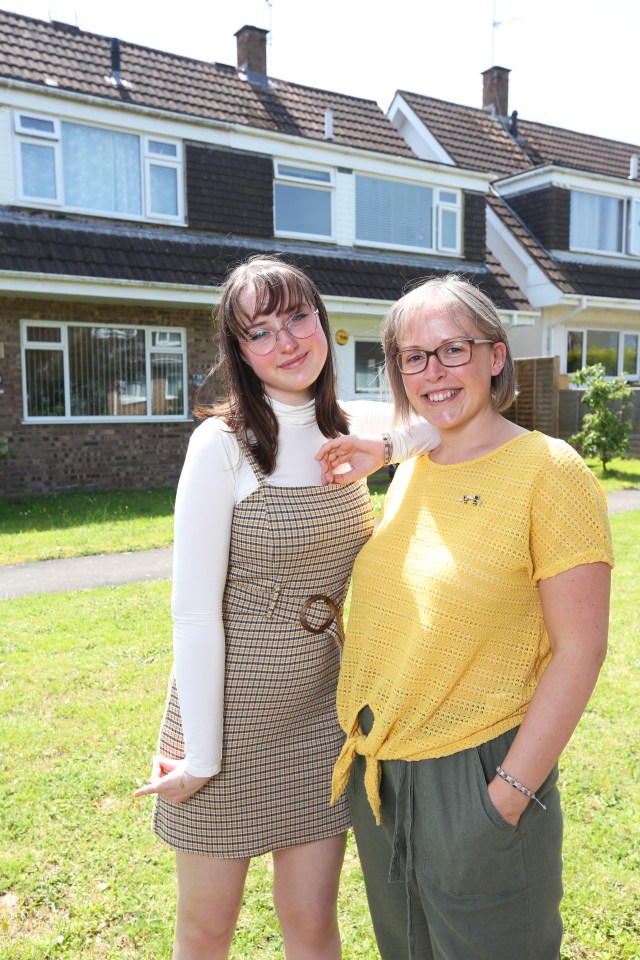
point(519, 786)
point(388, 449)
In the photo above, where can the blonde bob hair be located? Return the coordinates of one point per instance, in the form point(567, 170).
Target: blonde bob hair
point(462, 301)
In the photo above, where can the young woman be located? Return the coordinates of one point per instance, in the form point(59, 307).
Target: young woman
point(262, 559)
point(477, 629)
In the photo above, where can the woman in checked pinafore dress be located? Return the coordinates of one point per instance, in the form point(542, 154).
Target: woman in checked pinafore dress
point(262, 560)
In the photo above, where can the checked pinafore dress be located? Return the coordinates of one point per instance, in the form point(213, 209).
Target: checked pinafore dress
point(281, 734)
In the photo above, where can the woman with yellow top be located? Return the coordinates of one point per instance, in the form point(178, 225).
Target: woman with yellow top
point(477, 630)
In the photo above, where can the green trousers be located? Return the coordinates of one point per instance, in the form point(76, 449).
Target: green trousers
point(446, 877)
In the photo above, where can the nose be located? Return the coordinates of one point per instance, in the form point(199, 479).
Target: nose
point(288, 341)
point(434, 369)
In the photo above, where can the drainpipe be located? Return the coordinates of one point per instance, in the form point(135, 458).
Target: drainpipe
point(581, 306)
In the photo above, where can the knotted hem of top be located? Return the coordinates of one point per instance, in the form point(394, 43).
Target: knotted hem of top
point(356, 743)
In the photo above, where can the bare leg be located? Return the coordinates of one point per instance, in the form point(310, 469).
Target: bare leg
point(306, 880)
point(209, 900)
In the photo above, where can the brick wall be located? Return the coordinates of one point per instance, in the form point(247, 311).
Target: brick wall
point(52, 457)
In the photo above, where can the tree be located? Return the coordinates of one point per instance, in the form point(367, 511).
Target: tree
point(605, 432)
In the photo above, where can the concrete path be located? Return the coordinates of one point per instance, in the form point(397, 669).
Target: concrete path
point(112, 569)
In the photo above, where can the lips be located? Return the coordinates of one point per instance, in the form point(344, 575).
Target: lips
point(294, 363)
point(441, 396)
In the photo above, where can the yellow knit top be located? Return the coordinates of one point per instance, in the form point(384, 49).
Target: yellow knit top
point(446, 641)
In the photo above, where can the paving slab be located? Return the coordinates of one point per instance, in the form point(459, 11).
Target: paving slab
point(83, 573)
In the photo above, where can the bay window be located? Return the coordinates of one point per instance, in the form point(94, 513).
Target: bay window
point(617, 351)
point(76, 371)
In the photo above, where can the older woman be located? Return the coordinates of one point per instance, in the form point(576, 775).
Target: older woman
point(478, 627)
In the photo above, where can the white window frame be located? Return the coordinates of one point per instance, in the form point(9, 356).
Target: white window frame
point(439, 206)
point(23, 134)
point(585, 331)
point(325, 186)
point(63, 346)
point(629, 229)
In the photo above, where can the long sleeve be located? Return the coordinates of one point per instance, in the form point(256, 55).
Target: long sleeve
point(371, 416)
point(204, 508)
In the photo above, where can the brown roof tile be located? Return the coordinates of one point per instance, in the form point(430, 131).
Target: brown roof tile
point(39, 52)
point(72, 248)
point(472, 138)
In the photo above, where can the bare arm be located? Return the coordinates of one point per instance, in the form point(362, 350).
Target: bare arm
point(575, 607)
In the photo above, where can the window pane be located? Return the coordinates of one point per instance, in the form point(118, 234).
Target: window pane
point(449, 228)
point(302, 173)
point(101, 169)
point(162, 149)
point(634, 227)
point(38, 171)
point(163, 190)
point(303, 210)
point(447, 197)
point(602, 347)
point(574, 351)
point(630, 355)
point(369, 366)
point(44, 335)
point(166, 338)
point(596, 222)
point(37, 124)
point(167, 384)
point(44, 370)
point(394, 213)
point(107, 372)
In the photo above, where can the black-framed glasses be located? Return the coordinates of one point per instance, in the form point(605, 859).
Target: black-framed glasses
point(451, 353)
point(261, 340)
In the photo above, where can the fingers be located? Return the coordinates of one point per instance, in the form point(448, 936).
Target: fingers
point(170, 779)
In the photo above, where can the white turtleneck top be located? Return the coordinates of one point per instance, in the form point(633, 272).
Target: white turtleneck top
point(215, 477)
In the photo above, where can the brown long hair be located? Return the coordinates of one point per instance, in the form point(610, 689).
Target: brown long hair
point(278, 286)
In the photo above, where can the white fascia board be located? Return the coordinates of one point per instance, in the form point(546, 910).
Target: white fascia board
point(550, 175)
point(423, 141)
point(90, 109)
point(519, 263)
point(68, 287)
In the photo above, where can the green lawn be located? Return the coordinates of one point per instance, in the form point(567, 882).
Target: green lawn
point(82, 524)
point(82, 684)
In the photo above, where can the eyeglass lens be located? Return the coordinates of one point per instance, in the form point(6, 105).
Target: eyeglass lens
point(262, 340)
point(452, 353)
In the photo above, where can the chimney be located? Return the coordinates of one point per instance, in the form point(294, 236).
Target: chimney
point(252, 53)
point(495, 91)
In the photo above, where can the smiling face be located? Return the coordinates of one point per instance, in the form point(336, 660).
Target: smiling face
point(451, 398)
point(289, 372)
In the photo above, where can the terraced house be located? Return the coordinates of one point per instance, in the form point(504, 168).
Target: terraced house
point(131, 180)
point(563, 217)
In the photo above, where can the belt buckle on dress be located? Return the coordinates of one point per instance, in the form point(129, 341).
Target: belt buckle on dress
point(334, 615)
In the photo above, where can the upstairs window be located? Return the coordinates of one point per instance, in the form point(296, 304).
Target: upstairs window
point(604, 224)
point(616, 350)
point(75, 371)
point(303, 201)
point(86, 168)
point(410, 216)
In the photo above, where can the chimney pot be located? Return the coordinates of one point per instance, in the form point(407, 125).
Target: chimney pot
point(495, 90)
point(252, 53)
